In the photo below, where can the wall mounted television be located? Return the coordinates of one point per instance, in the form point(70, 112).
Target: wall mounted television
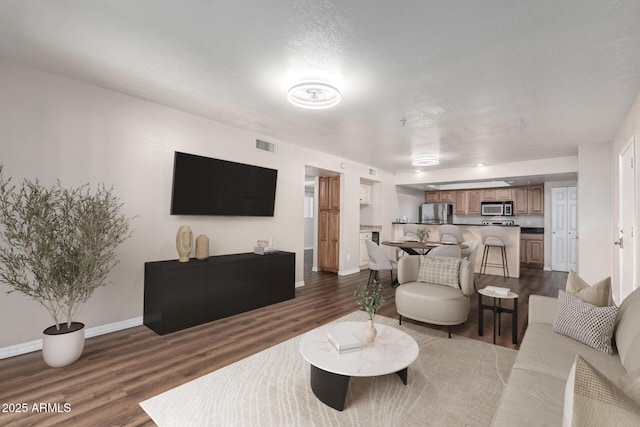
point(207, 186)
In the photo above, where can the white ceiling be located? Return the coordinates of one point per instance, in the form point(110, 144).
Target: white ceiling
point(472, 81)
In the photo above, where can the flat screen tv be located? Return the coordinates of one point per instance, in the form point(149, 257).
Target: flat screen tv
point(206, 186)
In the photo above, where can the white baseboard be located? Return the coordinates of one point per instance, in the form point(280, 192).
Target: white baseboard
point(348, 272)
point(300, 284)
point(36, 345)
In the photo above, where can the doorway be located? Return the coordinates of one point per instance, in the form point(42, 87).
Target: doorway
point(627, 241)
point(564, 248)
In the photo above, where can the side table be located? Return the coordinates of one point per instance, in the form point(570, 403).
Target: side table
point(497, 310)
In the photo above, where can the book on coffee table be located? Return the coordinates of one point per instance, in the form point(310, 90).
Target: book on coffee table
point(497, 290)
point(343, 340)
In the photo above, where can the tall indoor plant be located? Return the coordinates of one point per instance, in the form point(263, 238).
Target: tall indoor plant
point(57, 245)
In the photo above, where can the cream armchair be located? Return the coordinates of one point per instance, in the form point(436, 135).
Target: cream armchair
point(429, 302)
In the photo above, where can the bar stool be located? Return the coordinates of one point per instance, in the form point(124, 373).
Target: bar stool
point(494, 237)
point(450, 234)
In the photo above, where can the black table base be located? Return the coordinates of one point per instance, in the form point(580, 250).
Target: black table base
point(331, 388)
point(497, 310)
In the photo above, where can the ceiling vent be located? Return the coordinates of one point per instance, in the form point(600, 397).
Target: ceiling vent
point(266, 146)
point(373, 172)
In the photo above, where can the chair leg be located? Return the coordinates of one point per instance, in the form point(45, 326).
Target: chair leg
point(484, 260)
point(449, 331)
point(400, 318)
point(371, 274)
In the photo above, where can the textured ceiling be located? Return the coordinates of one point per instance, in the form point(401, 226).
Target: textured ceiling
point(472, 81)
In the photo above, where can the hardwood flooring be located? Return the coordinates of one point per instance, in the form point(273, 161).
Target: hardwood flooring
point(121, 369)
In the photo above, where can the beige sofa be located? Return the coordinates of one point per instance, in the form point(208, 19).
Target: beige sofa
point(430, 302)
point(534, 395)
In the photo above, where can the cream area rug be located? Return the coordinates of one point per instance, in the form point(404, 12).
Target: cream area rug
point(453, 382)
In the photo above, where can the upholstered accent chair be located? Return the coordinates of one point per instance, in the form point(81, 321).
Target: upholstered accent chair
point(434, 289)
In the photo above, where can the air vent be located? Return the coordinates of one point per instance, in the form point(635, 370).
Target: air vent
point(373, 172)
point(266, 146)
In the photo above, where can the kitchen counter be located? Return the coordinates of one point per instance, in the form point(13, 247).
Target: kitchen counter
point(460, 224)
point(532, 230)
point(474, 232)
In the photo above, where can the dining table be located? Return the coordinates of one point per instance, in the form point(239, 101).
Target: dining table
point(413, 247)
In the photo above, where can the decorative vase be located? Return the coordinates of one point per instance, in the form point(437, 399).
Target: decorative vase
point(202, 247)
point(62, 347)
point(184, 243)
point(370, 331)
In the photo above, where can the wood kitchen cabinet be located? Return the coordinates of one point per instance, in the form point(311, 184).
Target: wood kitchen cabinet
point(473, 202)
point(488, 194)
point(520, 201)
point(460, 203)
point(504, 194)
point(532, 250)
point(432, 196)
point(535, 199)
point(447, 197)
point(329, 223)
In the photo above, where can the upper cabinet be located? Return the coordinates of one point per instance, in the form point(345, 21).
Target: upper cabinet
point(365, 194)
point(536, 199)
point(527, 200)
point(432, 196)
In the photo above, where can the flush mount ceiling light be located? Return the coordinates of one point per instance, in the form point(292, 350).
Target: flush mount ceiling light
point(314, 95)
point(425, 161)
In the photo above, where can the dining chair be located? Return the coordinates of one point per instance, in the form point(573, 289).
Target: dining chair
point(450, 234)
point(471, 253)
point(378, 261)
point(446, 251)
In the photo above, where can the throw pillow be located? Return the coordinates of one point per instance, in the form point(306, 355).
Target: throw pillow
point(591, 399)
point(585, 322)
point(439, 270)
point(598, 294)
point(629, 383)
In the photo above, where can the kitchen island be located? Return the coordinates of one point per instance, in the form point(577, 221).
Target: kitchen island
point(473, 232)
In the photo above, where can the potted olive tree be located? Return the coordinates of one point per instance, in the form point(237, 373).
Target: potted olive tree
point(57, 245)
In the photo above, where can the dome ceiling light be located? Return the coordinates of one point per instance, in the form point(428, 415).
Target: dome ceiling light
point(425, 161)
point(314, 95)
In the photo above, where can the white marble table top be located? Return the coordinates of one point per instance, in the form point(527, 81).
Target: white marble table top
point(392, 351)
point(510, 295)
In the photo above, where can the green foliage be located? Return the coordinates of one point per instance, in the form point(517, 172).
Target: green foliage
point(369, 298)
point(423, 233)
point(57, 245)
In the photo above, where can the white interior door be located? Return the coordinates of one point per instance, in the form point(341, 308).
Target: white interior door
point(564, 229)
point(559, 229)
point(626, 224)
point(572, 228)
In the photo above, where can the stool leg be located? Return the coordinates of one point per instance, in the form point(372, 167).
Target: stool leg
point(483, 263)
point(505, 271)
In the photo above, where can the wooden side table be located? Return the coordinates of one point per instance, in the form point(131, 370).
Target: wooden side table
point(497, 310)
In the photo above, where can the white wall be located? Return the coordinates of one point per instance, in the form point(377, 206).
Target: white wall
point(595, 212)
point(54, 128)
point(409, 201)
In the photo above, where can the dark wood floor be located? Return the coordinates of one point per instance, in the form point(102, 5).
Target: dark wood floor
point(121, 369)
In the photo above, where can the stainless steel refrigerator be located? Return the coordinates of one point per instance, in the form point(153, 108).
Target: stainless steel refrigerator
point(436, 213)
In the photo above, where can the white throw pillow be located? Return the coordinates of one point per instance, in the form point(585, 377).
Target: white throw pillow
point(440, 270)
point(598, 294)
point(587, 323)
point(591, 399)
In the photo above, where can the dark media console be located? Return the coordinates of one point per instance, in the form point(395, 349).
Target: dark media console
point(178, 295)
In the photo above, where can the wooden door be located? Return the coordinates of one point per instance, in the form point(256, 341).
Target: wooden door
point(559, 229)
point(627, 240)
point(535, 251)
point(329, 223)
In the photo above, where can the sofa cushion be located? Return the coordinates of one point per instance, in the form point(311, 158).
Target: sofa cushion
point(591, 399)
point(552, 354)
point(598, 294)
point(585, 322)
point(628, 332)
point(440, 271)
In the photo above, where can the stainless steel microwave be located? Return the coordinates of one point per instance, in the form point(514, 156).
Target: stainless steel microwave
point(497, 208)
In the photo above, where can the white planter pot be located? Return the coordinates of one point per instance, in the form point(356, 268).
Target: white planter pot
point(62, 349)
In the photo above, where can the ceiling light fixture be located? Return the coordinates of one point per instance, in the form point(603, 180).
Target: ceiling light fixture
point(314, 95)
point(480, 165)
point(425, 161)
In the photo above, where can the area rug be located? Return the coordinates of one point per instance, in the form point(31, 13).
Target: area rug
point(454, 382)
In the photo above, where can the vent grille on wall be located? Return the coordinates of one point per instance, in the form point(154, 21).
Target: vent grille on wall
point(373, 172)
point(266, 146)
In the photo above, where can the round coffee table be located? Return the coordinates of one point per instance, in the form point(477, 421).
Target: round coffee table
point(391, 352)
